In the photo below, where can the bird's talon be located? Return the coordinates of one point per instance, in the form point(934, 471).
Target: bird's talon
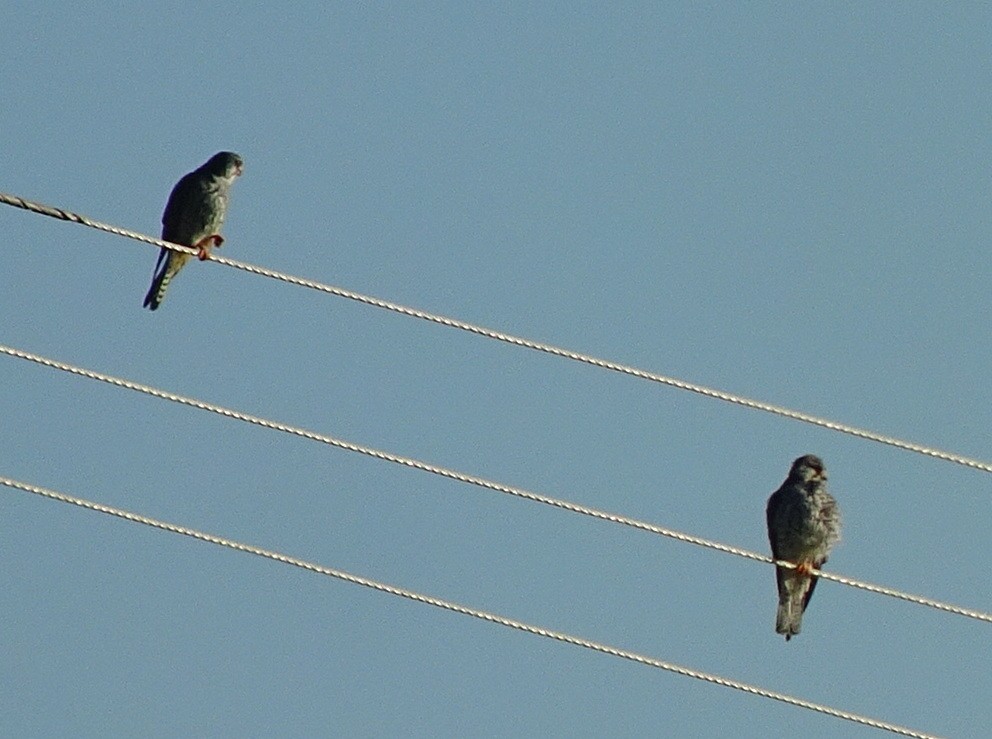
point(205, 244)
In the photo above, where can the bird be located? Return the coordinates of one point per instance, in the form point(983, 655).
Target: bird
point(803, 526)
point(193, 216)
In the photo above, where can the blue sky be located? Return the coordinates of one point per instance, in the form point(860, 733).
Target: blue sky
point(786, 201)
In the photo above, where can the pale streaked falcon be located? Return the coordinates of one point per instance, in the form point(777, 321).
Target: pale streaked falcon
point(803, 526)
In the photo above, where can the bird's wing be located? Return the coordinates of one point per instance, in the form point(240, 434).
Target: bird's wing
point(773, 517)
point(809, 592)
point(183, 197)
point(161, 258)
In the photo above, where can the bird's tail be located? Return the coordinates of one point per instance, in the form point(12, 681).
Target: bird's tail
point(160, 283)
point(789, 619)
point(794, 592)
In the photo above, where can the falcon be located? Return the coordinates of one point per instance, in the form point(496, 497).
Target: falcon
point(803, 526)
point(193, 217)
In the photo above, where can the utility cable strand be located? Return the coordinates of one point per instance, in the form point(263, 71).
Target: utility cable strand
point(479, 481)
point(538, 346)
point(462, 609)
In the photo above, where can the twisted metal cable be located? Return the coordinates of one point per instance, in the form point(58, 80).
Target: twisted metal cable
point(480, 481)
point(538, 346)
point(463, 610)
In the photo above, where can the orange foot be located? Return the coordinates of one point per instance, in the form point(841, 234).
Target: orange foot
point(803, 568)
point(206, 243)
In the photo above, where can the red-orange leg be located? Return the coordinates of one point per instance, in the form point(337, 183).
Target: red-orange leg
point(206, 243)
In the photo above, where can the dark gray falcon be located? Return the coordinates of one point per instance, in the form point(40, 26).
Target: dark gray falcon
point(803, 526)
point(193, 217)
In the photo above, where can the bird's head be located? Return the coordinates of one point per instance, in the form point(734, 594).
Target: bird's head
point(808, 468)
point(224, 164)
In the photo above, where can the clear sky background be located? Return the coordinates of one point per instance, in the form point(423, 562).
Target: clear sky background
point(790, 201)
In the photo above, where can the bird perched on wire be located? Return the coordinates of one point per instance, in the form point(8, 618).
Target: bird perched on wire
point(803, 526)
point(193, 217)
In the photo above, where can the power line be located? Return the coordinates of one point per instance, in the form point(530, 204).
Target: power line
point(478, 481)
point(551, 349)
point(462, 609)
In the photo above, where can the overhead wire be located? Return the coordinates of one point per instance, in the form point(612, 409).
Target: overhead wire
point(464, 610)
point(477, 481)
point(538, 346)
